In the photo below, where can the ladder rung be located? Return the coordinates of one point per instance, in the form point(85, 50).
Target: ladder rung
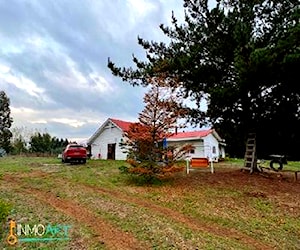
point(250, 152)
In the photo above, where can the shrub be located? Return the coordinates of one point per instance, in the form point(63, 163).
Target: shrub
point(149, 172)
point(5, 209)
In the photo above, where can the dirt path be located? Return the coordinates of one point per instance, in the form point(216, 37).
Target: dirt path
point(114, 238)
point(108, 235)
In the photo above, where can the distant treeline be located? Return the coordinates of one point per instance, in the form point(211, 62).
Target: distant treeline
point(38, 144)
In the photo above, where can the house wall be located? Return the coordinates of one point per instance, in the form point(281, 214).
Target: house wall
point(212, 149)
point(198, 144)
point(108, 136)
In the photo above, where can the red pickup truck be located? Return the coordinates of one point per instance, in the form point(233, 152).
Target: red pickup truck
point(74, 153)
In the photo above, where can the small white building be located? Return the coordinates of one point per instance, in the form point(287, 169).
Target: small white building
point(206, 143)
point(105, 142)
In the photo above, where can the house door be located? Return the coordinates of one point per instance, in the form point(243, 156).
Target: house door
point(111, 151)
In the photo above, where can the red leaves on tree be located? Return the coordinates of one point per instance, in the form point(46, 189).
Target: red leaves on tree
point(158, 120)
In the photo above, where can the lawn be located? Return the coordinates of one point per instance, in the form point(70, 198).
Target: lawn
point(93, 206)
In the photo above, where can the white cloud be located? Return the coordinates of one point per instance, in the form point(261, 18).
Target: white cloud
point(11, 48)
point(74, 79)
point(21, 82)
point(39, 122)
point(140, 9)
point(27, 116)
point(71, 122)
point(100, 84)
point(95, 121)
point(36, 41)
point(22, 110)
point(4, 69)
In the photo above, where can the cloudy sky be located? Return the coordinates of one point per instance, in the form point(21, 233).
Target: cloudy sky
point(53, 60)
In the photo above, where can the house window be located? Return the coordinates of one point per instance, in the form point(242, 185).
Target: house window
point(214, 149)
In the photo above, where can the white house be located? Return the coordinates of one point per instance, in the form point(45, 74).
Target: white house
point(207, 143)
point(105, 142)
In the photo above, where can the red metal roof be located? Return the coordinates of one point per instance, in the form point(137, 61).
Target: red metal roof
point(191, 134)
point(122, 124)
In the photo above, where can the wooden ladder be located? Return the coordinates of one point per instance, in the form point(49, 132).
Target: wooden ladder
point(250, 159)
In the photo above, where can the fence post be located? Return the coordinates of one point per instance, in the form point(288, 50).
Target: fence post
point(187, 166)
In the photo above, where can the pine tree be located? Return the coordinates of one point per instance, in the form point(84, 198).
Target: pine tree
point(242, 58)
point(158, 120)
point(5, 122)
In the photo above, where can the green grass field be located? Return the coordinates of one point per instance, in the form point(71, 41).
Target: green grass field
point(104, 209)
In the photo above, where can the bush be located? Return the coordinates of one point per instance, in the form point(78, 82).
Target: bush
point(149, 172)
point(4, 212)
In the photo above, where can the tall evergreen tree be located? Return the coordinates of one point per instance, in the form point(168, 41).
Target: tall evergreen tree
point(5, 122)
point(242, 58)
point(41, 143)
point(45, 143)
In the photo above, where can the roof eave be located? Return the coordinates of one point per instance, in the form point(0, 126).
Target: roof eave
point(185, 139)
point(99, 131)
